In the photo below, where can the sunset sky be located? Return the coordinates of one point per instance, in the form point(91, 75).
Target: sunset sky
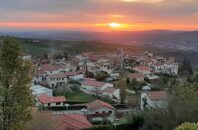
point(98, 15)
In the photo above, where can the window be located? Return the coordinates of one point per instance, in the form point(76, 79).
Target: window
point(110, 112)
point(96, 112)
point(103, 112)
point(48, 104)
point(58, 103)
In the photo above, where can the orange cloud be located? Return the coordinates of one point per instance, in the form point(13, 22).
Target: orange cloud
point(44, 25)
point(96, 26)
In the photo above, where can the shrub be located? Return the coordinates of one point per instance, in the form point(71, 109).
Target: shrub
point(188, 126)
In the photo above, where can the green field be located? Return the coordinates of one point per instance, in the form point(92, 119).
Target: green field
point(71, 47)
point(79, 96)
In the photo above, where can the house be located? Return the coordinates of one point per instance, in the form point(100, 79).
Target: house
point(54, 80)
point(74, 76)
point(94, 87)
point(148, 61)
point(49, 69)
point(38, 76)
point(100, 107)
point(143, 69)
point(107, 67)
point(153, 99)
point(167, 67)
point(54, 69)
point(111, 92)
point(158, 68)
point(38, 90)
point(70, 122)
point(50, 101)
point(136, 76)
point(171, 68)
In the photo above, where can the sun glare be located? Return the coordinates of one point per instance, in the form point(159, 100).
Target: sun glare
point(115, 25)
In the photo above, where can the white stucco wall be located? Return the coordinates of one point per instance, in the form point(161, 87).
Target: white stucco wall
point(54, 81)
point(76, 77)
point(154, 104)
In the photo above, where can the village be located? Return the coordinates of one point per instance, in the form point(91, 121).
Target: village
point(91, 88)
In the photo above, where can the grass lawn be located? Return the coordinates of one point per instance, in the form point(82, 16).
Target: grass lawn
point(80, 96)
point(122, 121)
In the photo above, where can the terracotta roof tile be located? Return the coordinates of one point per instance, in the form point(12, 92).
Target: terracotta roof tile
point(157, 95)
point(72, 73)
point(136, 75)
point(63, 75)
point(143, 68)
point(71, 121)
point(93, 83)
point(97, 104)
point(109, 90)
point(44, 99)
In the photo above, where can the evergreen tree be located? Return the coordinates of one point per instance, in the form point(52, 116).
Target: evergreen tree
point(128, 81)
point(187, 67)
point(185, 64)
point(15, 77)
point(45, 56)
point(190, 70)
point(122, 85)
point(66, 55)
point(77, 68)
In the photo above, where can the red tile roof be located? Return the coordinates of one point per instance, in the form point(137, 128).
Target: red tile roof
point(93, 58)
point(97, 104)
point(157, 95)
point(143, 68)
point(48, 67)
point(44, 99)
point(72, 73)
point(61, 75)
point(93, 83)
point(109, 90)
point(60, 66)
point(71, 121)
point(38, 73)
point(148, 60)
point(136, 76)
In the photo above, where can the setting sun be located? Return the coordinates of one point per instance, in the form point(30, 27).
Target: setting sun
point(115, 25)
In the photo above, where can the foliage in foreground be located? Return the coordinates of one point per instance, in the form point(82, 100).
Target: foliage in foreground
point(188, 126)
point(183, 107)
point(15, 77)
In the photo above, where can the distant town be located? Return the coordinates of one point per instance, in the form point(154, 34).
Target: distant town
point(99, 87)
